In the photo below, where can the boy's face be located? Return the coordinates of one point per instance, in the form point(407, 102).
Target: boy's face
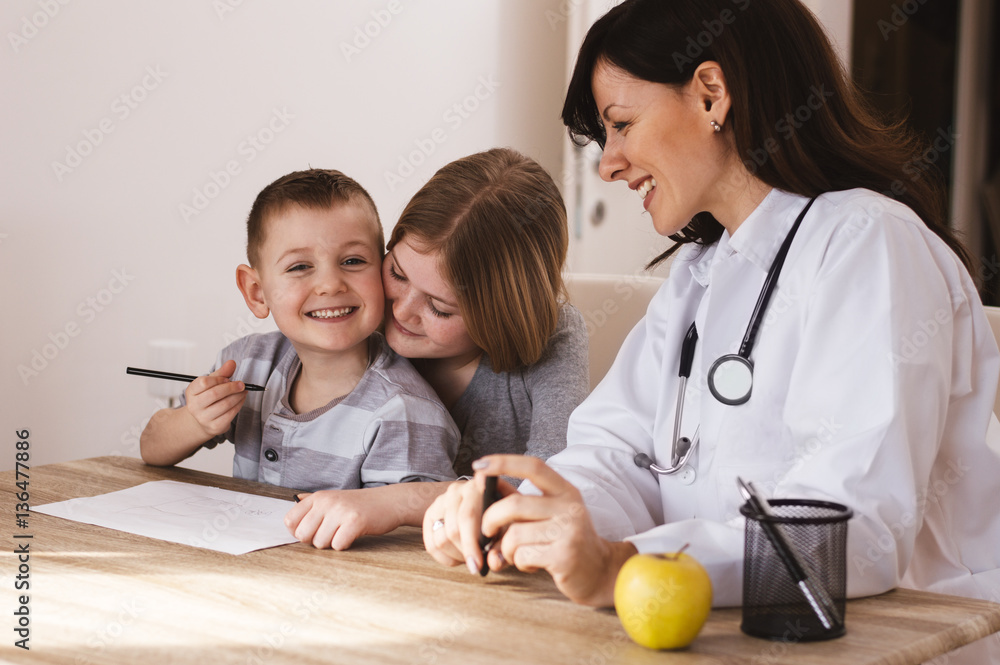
point(319, 275)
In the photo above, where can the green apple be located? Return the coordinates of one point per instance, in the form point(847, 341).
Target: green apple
point(663, 600)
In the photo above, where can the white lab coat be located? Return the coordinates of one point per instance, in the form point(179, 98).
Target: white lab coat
point(875, 373)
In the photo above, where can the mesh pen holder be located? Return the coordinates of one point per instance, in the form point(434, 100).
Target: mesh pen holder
point(774, 606)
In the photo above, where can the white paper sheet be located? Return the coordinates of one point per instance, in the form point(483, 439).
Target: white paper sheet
point(196, 515)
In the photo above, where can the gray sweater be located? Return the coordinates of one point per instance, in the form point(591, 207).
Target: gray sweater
point(526, 410)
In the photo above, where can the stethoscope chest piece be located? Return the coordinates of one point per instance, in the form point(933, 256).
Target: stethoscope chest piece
point(730, 379)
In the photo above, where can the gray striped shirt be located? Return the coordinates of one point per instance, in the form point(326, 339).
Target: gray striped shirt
point(391, 428)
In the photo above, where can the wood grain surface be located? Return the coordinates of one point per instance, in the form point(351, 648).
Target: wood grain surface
point(104, 596)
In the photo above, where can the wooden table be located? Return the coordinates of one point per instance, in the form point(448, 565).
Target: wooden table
point(104, 596)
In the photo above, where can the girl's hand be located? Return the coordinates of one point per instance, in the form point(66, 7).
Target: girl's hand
point(336, 518)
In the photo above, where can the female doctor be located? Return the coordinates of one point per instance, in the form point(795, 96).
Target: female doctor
point(838, 347)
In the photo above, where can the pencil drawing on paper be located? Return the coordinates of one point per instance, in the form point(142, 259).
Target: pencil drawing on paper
point(191, 506)
point(199, 515)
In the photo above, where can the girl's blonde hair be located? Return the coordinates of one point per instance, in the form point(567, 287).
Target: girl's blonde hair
point(499, 223)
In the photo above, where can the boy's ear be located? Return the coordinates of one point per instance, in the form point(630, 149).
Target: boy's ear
point(248, 281)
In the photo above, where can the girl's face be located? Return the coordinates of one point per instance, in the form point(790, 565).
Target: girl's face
point(422, 318)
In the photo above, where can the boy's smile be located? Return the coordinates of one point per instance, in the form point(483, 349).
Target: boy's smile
point(319, 276)
point(332, 313)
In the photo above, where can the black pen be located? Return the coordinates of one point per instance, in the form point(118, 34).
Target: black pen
point(490, 495)
point(155, 374)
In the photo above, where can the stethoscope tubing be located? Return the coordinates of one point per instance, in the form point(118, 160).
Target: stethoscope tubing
point(750, 338)
point(679, 461)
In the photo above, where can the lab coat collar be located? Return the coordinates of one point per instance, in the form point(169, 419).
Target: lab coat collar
point(757, 239)
point(760, 235)
point(701, 263)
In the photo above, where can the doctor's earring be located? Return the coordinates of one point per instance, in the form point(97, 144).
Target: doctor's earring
point(716, 126)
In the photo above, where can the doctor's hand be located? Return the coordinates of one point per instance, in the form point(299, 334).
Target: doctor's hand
point(551, 532)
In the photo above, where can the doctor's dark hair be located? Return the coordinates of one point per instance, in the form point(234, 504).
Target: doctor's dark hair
point(314, 189)
point(777, 61)
point(499, 223)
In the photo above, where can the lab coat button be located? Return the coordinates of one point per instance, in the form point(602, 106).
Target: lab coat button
point(270, 455)
point(687, 476)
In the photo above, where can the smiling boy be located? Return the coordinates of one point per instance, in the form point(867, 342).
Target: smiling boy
point(341, 410)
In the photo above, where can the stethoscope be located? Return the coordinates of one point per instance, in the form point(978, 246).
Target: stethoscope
point(730, 378)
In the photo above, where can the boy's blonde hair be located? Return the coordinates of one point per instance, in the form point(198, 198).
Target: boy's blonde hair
point(499, 223)
point(314, 188)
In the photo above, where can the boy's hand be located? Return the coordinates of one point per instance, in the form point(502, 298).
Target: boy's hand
point(214, 400)
point(336, 518)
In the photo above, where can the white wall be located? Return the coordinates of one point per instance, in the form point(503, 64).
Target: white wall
point(158, 97)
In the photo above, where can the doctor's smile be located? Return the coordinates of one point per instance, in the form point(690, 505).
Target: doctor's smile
point(644, 189)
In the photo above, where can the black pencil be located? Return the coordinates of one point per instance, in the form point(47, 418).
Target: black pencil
point(152, 373)
point(490, 496)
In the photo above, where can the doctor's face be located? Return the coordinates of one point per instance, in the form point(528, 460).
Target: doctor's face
point(661, 144)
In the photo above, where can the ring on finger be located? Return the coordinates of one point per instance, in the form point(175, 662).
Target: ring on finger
point(438, 525)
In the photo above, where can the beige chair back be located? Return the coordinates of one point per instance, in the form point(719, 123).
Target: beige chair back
point(611, 305)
